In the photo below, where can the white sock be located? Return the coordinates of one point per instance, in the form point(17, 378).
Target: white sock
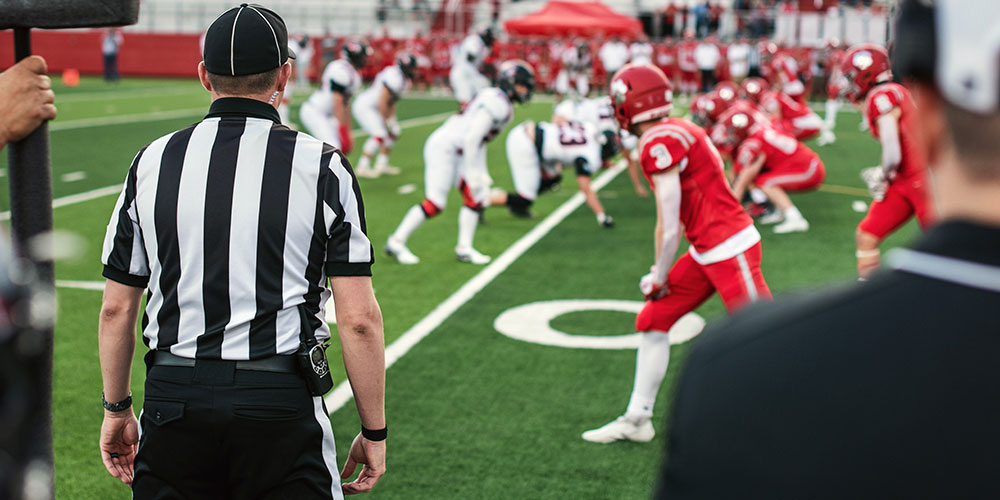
point(832, 106)
point(370, 147)
point(651, 360)
point(411, 221)
point(468, 219)
point(382, 160)
point(364, 163)
point(792, 213)
point(758, 196)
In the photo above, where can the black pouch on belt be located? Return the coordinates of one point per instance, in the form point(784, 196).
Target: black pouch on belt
point(312, 358)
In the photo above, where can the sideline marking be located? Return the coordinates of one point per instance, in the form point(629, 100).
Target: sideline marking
point(97, 286)
point(532, 322)
point(116, 188)
point(343, 393)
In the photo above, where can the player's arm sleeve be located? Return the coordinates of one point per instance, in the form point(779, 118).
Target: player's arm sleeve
point(668, 208)
point(664, 154)
point(892, 154)
point(348, 250)
point(124, 253)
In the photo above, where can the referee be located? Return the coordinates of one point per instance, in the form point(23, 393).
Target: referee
point(233, 227)
point(887, 389)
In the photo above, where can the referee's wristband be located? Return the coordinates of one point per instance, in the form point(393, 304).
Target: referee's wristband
point(375, 435)
point(119, 406)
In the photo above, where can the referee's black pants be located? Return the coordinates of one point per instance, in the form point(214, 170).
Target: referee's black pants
point(215, 432)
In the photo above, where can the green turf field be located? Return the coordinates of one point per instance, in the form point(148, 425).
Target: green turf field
point(473, 414)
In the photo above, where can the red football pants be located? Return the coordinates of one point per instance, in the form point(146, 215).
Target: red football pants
point(903, 199)
point(794, 177)
point(738, 281)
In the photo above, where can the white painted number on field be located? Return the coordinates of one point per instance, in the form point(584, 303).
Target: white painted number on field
point(532, 323)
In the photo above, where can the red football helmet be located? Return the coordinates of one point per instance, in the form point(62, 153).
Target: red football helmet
point(735, 125)
point(753, 87)
point(863, 67)
point(707, 108)
point(639, 93)
point(727, 91)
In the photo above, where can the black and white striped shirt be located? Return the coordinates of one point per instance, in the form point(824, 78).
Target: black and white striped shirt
point(231, 224)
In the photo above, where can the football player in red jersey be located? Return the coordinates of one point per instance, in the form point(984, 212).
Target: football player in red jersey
point(898, 184)
point(774, 162)
point(692, 195)
point(690, 76)
point(790, 115)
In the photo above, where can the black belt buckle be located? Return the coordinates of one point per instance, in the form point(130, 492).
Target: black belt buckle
point(314, 368)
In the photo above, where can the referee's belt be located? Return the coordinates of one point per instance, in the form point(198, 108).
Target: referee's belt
point(278, 363)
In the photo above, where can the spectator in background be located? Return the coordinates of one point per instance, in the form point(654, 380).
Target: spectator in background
point(110, 46)
point(707, 57)
point(885, 389)
point(613, 55)
point(641, 52)
point(304, 52)
point(738, 57)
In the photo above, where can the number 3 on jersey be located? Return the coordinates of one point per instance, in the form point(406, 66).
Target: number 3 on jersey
point(661, 155)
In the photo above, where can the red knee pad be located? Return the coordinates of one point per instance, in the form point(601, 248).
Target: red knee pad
point(430, 209)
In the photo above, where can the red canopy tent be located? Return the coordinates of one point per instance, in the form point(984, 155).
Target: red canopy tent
point(562, 18)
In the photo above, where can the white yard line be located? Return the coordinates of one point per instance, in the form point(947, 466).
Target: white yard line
point(124, 119)
point(343, 393)
point(115, 189)
point(97, 286)
point(130, 93)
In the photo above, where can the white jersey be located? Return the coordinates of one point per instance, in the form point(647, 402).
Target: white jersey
point(641, 53)
point(471, 52)
point(498, 108)
point(339, 76)
point(596, 112)
point(390, 78)
point(569, 144)
point(613, 55)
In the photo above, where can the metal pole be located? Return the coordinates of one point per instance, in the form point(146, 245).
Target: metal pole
point(31, 215)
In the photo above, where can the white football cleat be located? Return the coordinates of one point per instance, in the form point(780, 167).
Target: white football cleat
point(622, 429)
point(387, 170)
point(367, 173)
point(398, 251)
point(472, 256)
point(772, 218)
point(792, 226)
point(826, 137)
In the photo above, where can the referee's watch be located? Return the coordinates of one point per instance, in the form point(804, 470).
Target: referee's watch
point(119, 406)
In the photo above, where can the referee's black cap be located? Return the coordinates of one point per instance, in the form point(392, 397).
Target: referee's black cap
point(246, 40)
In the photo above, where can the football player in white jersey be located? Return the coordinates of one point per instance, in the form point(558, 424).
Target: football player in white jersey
point(455, 155)
point(326, 114)
point(537, 153)
point(598, 112)
point(465, 77)
point(375, 111)
point(575, 73)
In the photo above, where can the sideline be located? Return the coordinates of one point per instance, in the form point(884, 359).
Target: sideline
point(402, 345)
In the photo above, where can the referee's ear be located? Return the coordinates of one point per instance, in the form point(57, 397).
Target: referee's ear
point(283, 75)
point(203, 76)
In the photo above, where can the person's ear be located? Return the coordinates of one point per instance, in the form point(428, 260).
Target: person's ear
point(931, 127)
point(203, 76)
point(283, 75)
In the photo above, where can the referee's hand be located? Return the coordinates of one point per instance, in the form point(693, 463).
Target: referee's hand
point(370, 454)
point(119, 443)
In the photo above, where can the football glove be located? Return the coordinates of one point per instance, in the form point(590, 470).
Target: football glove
point(393, 127)
point(605, 220)
point(874, 178)
point(650, 290)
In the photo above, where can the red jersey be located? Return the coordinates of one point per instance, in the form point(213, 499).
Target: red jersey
point(779, 149)
point(882, 100)
point(714, 222)
point(685, 56)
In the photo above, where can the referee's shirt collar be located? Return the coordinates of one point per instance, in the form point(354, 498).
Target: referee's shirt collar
point(242, 107)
